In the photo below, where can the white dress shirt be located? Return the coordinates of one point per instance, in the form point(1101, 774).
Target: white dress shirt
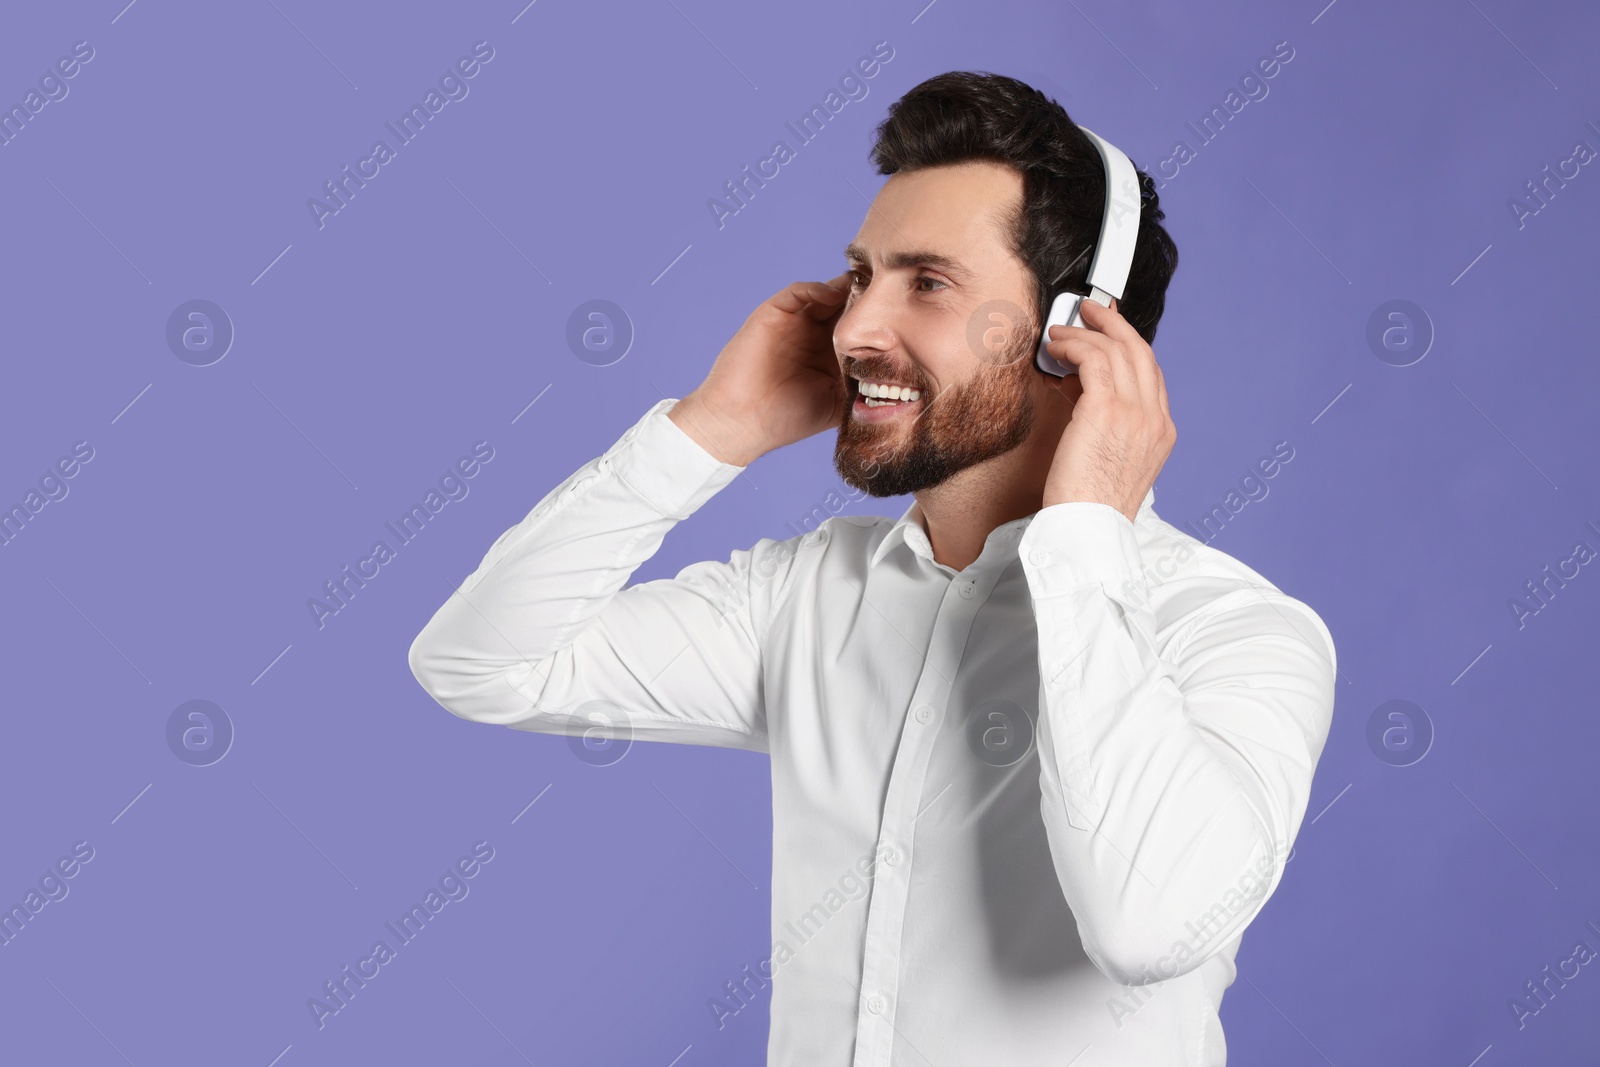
point(1022, 812)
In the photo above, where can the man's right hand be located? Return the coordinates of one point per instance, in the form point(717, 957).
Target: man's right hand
point(776, 382)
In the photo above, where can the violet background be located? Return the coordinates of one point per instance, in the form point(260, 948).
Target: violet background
point(432, 310)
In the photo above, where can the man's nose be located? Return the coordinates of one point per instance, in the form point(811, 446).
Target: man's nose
point(868, 321)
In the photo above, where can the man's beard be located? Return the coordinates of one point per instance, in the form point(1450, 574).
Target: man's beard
point(986, 416)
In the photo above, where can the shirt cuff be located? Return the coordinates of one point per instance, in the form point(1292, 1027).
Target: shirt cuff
point(1081, 543)
point(666, 467)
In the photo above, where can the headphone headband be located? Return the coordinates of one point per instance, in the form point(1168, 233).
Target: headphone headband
point(1113, 251)
point(1119, 227)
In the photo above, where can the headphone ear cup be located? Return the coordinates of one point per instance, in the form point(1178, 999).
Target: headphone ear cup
point(1063, 312)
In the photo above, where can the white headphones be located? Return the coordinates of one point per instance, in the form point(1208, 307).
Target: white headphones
point(1113, 253)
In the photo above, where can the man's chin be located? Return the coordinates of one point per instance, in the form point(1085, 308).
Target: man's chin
point(857, 467)
point(875, 472)
point(875, 489)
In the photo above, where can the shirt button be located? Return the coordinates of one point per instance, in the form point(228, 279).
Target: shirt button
point(891, 856)
point(1039, 556)
point(876, 1004)
point(966, 590)
point(924, 713)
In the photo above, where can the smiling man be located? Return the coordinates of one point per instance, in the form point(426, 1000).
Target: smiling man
point(1068, 746)
point(959, 421)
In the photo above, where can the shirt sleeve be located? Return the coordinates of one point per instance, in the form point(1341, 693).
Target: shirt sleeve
point(1173, 785)
point(542, 636)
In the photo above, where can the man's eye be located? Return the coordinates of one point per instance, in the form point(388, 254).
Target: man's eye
point(859, 279)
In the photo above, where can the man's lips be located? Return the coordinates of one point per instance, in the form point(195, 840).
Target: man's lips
point(883, 412)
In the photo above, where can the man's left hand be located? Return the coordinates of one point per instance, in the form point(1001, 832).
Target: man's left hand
point(1120, 432)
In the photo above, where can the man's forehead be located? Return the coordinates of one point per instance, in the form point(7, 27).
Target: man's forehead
point(949, 217)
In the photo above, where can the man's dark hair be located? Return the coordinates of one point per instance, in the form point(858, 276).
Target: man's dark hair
point(966, 115)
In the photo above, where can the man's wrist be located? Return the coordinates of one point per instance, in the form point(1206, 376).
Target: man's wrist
point(1053, 496)
point(719, 436)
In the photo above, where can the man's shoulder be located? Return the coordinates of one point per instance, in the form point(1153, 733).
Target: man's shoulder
point(833, 532)
point(838, 542)
point(775, 566)
point(851, 532)
point(1172, 557)
point(1188, 580)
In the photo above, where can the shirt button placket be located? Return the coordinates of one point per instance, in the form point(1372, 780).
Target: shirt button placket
point(886, 908)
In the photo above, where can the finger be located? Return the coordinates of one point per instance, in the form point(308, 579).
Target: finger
point(819, 300)
point(832, 298)
point(1108, 320)
point(1123, 350)
point(1133, 351)
point(1097, 361)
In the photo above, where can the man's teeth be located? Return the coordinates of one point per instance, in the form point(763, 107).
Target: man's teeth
point(876, 396)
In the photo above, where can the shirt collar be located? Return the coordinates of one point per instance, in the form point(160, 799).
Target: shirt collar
point(911, 529)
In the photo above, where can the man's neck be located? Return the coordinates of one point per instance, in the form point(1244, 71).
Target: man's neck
point(958, 515)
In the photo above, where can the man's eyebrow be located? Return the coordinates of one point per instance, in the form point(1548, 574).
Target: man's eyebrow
point(911, 259)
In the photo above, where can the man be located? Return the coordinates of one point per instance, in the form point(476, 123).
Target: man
point(1061, 747)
